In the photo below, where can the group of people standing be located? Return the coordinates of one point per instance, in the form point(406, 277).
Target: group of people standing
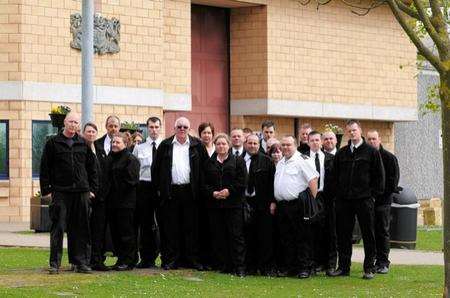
point(233, 204)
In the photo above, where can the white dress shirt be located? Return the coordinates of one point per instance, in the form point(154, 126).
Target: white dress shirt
point(248, 160)
point(107, 144)
point(264, 145)
point(241, 150)
point(312, 158)
point(211, 150)
point(353, 147)
point(144, 152)
point(181, 168)
point(292, 176)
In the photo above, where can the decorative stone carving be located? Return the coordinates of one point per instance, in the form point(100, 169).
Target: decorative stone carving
point(106, 33)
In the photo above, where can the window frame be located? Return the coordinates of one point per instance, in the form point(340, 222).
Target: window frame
point(5, 176)
point(33, 175)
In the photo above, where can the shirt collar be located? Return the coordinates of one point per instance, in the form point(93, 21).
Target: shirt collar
point(157, 141)
point(241, 150)
point(357, 145)
point(247, 156)
point(294, 157)
point(313, 154)
point(107, 139)
point(176, 141)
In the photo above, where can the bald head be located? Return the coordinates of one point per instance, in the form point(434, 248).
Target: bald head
point(329, 141)
point(373, 138)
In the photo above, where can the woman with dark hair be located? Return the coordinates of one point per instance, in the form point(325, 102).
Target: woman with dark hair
point(275, 152)
point(123, 178)
point(224, 186)
point(206, 134)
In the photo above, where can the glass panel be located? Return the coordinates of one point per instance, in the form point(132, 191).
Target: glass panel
point(41, 129)
point(3, 149)
point(144, 131)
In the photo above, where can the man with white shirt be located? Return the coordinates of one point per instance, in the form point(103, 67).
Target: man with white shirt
point(237, 142)
point(177, 175)
point(268, 131)
point(325, 242)
point(359, 176)
point(329, 142)
point(98, 215)
point(294, 174)
point(147, 196)
point(259, 195)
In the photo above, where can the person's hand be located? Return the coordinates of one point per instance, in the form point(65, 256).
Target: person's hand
point(216, 195)
point(225, 193)
point(91, 195)
point(273, 207)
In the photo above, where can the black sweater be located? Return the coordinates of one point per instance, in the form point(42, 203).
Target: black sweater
point(230, 174)
point(358, 175)
point(392, 171)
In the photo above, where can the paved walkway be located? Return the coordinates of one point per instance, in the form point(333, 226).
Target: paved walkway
point(20, 235)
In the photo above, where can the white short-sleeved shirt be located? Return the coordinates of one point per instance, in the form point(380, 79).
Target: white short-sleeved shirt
point(292, 177)
point(181, 168)
point(144, 152)
point(312, 159)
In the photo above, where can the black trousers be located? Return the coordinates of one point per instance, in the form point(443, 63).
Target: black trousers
point(228, 242)
point(345, 219)
point(98, 232)
point(204, 235)
point(121, 222)
point(295, 237)
point(179, 228)
point(259, 239)
point(70, 212)
point(145, 223)
point(382, 237)
point(325, 238)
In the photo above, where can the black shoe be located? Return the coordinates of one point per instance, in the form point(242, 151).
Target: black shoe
point(240, 273)
point(283, 273)
point(339, 272)
point(198, 267)
point(100, 267)
point(170, 266)
point(143, 265)
point(368, 275)
point(83, 269)
point(383, 270)
point(123, 267)
point(318, 269)
point(53, 270)
point(304, 274)
point(330, 271)
point(251, 271)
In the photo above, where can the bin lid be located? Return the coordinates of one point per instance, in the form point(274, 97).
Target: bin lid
point(405, 196)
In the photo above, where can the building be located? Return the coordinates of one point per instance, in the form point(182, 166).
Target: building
point(422, 138)
point(234, 63)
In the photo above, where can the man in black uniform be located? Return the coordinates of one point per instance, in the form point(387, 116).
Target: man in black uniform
point(98, 216)
point(359, 175)
point(268, 131)
point(325, 240)
point(259, 195)
point(68, 174)
point(176, 173)
point(303, 147)
point(383, 202)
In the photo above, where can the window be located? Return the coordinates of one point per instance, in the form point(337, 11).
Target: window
point(144, 131)
point(4, 149)
point(41, 129)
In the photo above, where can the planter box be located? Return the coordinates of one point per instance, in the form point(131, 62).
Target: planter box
point(39, 216)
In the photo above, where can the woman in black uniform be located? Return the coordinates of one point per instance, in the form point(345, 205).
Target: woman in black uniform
point(123, 177)
point(224, 185)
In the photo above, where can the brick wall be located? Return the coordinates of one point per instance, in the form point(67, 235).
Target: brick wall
point(15, 194)
point(10, 58)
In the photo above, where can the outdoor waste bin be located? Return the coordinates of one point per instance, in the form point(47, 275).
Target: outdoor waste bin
point(39, 216)
point(403, 227)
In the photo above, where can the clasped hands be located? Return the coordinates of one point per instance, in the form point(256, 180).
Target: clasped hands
point(221, 195)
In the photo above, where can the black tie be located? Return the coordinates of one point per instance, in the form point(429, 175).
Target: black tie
point(153, 151)
point(251, 175)
point(318, 168)
point(236, 153)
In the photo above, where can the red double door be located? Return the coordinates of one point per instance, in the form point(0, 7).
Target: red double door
point(209, 64)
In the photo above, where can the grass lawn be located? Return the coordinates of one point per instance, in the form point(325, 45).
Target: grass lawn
point(430, 239)
point(22, 273)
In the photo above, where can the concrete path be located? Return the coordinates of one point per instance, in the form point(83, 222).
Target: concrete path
point(19, 234)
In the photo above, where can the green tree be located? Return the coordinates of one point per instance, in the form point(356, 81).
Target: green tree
point(426, 20)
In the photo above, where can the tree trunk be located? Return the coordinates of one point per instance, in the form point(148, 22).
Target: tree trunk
point(445, 110)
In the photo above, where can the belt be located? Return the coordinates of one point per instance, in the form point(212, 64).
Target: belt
point(180, 186)
point(290, 202)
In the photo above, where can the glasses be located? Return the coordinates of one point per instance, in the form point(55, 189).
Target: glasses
point(182, 127)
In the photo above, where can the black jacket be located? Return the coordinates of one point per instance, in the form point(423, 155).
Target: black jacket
point(231, 175)
point(392, 172)
point(303, 148)
point(121, 179)
point(358, 175)
point(67, 169)
point(101, 160)
point(162, 170)
point(264, 178)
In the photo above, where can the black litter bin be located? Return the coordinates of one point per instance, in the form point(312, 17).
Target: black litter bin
point(403, 227)
point(39, 216)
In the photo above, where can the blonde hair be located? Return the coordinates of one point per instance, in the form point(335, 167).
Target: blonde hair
point(222, 136)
